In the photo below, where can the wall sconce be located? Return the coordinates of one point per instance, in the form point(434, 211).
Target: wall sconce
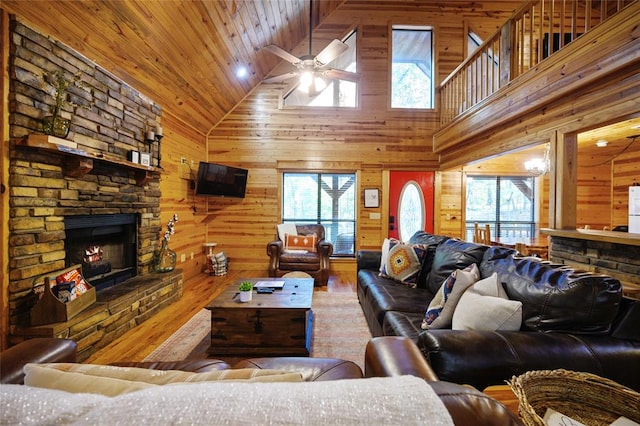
point(152, 137)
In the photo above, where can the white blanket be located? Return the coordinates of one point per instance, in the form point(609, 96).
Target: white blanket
point(402, 400)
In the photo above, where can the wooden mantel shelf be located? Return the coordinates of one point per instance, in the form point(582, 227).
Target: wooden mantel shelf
point(625, 238)
point(80, 162)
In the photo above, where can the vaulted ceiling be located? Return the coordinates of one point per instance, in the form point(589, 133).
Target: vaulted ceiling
point(182, 54)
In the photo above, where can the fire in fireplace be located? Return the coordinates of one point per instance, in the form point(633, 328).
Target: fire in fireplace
point(105, 245)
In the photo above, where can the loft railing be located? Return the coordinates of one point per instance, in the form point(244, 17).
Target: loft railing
point(535, 31)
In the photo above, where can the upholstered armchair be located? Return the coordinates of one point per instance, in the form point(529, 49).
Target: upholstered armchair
point(301, 252)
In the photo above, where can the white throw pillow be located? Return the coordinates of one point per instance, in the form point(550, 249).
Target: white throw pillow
point(485, 306)
point(384, 253)
point(440, 311)
point(286, 228)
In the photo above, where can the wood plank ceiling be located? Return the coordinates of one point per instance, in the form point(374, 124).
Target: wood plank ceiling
point(182, 54)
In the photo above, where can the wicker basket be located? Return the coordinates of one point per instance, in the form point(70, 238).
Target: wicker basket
point(587, 398)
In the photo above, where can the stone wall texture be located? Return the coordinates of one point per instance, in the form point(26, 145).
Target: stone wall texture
point(108, 118)
point(616, 260)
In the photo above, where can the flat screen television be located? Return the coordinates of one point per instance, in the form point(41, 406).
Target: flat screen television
point(218, 180)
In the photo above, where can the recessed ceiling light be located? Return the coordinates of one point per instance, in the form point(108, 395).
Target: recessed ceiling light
point(602, 143)
point(241, 72)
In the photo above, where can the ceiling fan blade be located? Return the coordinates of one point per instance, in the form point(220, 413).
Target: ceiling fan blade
point(280, 78)
point(331, 52)
point(282, 53)
point(341, 75)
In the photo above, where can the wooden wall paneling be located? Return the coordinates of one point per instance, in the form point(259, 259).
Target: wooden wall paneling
point(4, 174)
point(372, 231)
point(626, 172)
point(449, 218)
point(182, 141)
point(594, 197)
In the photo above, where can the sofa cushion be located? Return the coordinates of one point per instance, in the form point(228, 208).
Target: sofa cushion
point(440, 310)
point(407, 324)
point(431, 242)
point(555, 297)
point(485, 306)
point(112, 380)
point(451, 255)
point(401, 261)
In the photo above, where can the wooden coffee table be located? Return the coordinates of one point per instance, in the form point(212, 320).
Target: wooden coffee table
point(276, 324)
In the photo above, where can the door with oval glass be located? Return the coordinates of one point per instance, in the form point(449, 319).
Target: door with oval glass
point(410, 203)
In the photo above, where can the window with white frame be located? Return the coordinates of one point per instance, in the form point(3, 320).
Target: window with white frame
point(412, 80)
point(324, 198)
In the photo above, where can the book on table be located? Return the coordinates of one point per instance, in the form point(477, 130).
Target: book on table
point(269, 284)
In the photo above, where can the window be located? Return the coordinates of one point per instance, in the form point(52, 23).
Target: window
point(473, 42)
point(337, 93)
point(506, 203)
point(412, 84)
point(411, 212)
point(325, 198)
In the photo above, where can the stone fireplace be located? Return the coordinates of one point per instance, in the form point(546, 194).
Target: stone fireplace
point(64, 201)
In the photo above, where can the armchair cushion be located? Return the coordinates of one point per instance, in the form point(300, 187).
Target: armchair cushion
point(301, 242)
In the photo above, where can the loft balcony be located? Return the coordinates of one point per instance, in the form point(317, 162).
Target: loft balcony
point(549, 68)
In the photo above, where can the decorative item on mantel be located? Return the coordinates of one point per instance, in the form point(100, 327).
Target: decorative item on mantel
point(154, 136)
point(56, 124)
point(164, 260)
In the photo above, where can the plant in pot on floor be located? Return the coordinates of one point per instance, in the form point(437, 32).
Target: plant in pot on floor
point(246, 291)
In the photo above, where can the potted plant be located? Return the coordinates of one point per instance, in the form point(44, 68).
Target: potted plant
point(246, 291)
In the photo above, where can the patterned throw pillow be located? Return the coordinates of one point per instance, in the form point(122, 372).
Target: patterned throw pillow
point(402, 262)
point(301, 242)
point(440, 311)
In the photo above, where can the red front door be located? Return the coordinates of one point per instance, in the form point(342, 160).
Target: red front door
point(408, 185)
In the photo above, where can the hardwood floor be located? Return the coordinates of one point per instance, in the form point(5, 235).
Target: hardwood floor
point(136, 344)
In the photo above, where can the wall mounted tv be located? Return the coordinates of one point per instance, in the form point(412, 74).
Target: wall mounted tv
point(218, 180)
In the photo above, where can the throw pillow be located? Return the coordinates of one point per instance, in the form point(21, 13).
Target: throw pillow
point(402, 262)
point(385, 252)
point(111, 380)
point(301, 242)
point(440, 311)
point(485, 306)
point(286, 228)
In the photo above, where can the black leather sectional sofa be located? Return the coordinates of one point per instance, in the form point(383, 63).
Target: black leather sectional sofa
point(570, 319)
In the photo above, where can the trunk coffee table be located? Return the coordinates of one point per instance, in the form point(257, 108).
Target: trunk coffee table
point(271, 324)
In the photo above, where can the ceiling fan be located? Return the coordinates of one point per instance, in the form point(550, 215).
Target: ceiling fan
point(312, 70)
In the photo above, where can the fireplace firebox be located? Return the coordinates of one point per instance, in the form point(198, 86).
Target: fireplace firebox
point(106, 246)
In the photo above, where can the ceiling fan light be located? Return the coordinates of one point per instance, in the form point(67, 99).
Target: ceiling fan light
point(306, 78)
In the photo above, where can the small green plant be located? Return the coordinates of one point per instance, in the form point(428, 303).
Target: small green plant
point(246, 286)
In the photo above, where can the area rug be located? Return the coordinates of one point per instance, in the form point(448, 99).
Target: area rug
point(339, 331)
